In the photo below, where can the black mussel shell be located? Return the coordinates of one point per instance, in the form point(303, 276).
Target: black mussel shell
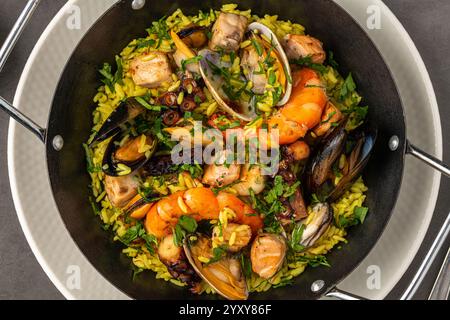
point(110, 165)
point(126, 111)
point(320, 164)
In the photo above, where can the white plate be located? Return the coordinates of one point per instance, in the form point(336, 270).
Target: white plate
point(60, 257)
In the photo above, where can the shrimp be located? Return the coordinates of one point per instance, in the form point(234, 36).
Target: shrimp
point(200, 203)
point(304, 109)
point(244, 213)
point(331, 116)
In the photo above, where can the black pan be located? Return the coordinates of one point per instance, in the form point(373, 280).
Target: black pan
point(70, 118)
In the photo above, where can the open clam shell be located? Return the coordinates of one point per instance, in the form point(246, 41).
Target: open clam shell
point(214, 81)
point(213, 67)
point(280, 54)
point(224, 276)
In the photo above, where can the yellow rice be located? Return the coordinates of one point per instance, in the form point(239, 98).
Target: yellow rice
point(107, 100)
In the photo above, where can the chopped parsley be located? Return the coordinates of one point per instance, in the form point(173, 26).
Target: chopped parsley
point(192, 60)
point(109, 78)
point(218, 254)
point(331, 60)
point(358, 217)
point(307, 62)
point(137, 232)
point(348, 87)
point(185, 225)
point(148, 106)
point(195, 170)
point(296, 238)
point(161, 29)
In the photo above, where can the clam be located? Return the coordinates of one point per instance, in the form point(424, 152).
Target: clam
point(125, 157)
point(126, 111)
point(320, 178)
point(210, 69)
point(270, 42)
point(215, 71)
point(317, 224)
point(224, 276)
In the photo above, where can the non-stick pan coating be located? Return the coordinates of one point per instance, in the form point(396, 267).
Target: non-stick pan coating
point(71, 117)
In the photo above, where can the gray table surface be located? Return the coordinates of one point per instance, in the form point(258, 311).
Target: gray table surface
point(21, 277)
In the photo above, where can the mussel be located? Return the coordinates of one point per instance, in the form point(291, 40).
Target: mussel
point(316, 224)
point(193, 36)
point(137, 208)
point(325, 166)
point(125, 155)
point(126, 111)
point(225, 276)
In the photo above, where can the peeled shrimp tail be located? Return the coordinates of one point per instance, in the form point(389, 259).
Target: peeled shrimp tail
point(304, 109)
point(202, 204)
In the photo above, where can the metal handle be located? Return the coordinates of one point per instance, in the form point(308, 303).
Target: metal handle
point(5, 51)
point(428, 261)
point(441, 288)
point(342, 295)
point(16, 31)
point(442, 285)
point(428, 159)
point(23, 119)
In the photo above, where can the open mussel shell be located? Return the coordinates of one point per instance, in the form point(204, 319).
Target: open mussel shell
point(318, 224)
point(280, 54)
point(214, 81)
point(115, 168)
point(319, 169)
point(224, 276)
point(358, 160)
point(126, 111)
point(320, 165)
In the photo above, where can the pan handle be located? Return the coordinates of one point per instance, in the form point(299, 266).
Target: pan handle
point(16, 31)
point(428, 261)
point(5, 51)
point(428, 159)
point(23, 119)
point(441, 288)
point(418, 277)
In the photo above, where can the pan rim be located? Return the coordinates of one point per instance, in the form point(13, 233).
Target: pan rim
point(19, 208)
